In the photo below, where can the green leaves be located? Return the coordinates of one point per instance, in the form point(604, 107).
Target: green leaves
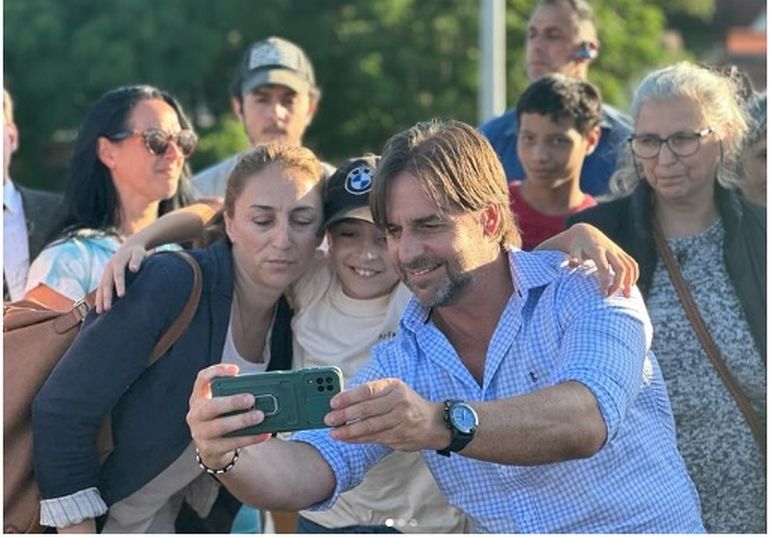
point(382, 64)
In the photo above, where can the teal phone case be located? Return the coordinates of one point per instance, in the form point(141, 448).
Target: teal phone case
point(291, 400)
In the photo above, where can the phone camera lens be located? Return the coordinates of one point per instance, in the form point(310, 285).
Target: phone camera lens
point(319, 380)
point(328, 380)
point(320, 388)
point(330, 388)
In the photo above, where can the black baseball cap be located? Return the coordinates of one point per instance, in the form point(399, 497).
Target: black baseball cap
point(275, 61)
point(346, 192)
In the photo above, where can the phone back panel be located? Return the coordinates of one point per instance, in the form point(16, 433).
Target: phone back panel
point(291, 400)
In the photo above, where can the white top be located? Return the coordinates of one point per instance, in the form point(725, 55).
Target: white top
point(230, 354)
point(212, 181)
point(330, 328)
point(15, 241)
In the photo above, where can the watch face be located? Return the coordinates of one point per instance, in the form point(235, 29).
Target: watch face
point(463, 418)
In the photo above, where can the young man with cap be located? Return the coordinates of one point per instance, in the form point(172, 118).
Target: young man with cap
point(561, 38)
point(275, 97)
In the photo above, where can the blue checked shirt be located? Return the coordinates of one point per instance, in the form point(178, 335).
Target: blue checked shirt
point(556, 327)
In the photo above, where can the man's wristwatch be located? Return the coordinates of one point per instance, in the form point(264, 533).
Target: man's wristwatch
point(462, 421)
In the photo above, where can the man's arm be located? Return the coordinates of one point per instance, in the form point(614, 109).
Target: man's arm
point(553, 424)
point(270, 474)
point(598, 373)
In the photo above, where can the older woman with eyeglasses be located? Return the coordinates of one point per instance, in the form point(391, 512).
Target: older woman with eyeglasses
point(129, 167)
point(681, 198)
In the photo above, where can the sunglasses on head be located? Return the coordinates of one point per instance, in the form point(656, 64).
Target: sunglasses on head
point(157, 140)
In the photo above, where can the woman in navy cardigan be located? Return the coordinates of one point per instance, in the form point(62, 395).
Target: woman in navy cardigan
point(272, 218)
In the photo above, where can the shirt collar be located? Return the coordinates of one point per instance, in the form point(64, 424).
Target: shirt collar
point(529, 270)
point(11, 198)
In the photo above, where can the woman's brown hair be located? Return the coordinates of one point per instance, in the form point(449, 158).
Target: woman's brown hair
point(295, 159)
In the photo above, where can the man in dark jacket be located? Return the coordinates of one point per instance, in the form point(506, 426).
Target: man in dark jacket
point(27, 215)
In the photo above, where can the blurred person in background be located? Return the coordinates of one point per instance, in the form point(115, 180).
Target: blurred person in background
point(275, 96)
point(28, 215)
point(128, 168)
point(559, 119)
point(562, 38)
point(753, 159)
point(681, 183)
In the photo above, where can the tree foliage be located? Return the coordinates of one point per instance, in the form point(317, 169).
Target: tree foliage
point(382, 64)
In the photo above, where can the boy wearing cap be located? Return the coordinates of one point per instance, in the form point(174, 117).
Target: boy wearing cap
point(274, 95)
point(559, 120)
point(351, 300)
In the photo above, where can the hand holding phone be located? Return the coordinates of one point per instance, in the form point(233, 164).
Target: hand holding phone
point(291, 400)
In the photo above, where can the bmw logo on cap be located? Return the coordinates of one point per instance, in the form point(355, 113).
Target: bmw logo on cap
point(359, 180)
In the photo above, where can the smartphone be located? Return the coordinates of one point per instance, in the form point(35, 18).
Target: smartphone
point(291, 400)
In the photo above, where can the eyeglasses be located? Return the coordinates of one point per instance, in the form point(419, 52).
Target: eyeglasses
point(157, 140)
point(682, 144)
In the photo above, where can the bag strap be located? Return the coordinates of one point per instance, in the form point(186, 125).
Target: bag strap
point(74, 317)
point(181, 323)
point(81, 308)
point(699, 326)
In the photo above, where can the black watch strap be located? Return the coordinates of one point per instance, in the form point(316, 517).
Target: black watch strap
point(459, 439)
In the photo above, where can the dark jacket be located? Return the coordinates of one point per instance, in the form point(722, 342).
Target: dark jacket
point(40, 211)
point(627, 221)
point(105, 371)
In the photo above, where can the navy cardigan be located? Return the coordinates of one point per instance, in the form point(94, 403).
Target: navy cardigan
point(627, 221)
point(105, 370)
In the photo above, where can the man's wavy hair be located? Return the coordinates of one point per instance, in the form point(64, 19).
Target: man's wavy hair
point(458, 170)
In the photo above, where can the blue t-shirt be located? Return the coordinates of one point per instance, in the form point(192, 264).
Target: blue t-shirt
point(598, 167)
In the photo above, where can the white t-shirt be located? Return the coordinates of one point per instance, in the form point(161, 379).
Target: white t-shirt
point(331, 328)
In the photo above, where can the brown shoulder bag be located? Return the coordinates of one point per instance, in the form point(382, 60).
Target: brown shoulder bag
point(34, 340)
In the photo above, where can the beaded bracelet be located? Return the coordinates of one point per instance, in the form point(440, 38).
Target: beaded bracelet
point(219, 471)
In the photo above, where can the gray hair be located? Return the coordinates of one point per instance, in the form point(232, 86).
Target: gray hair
point(581, 8)
point(715, 96)
point(756, 110)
